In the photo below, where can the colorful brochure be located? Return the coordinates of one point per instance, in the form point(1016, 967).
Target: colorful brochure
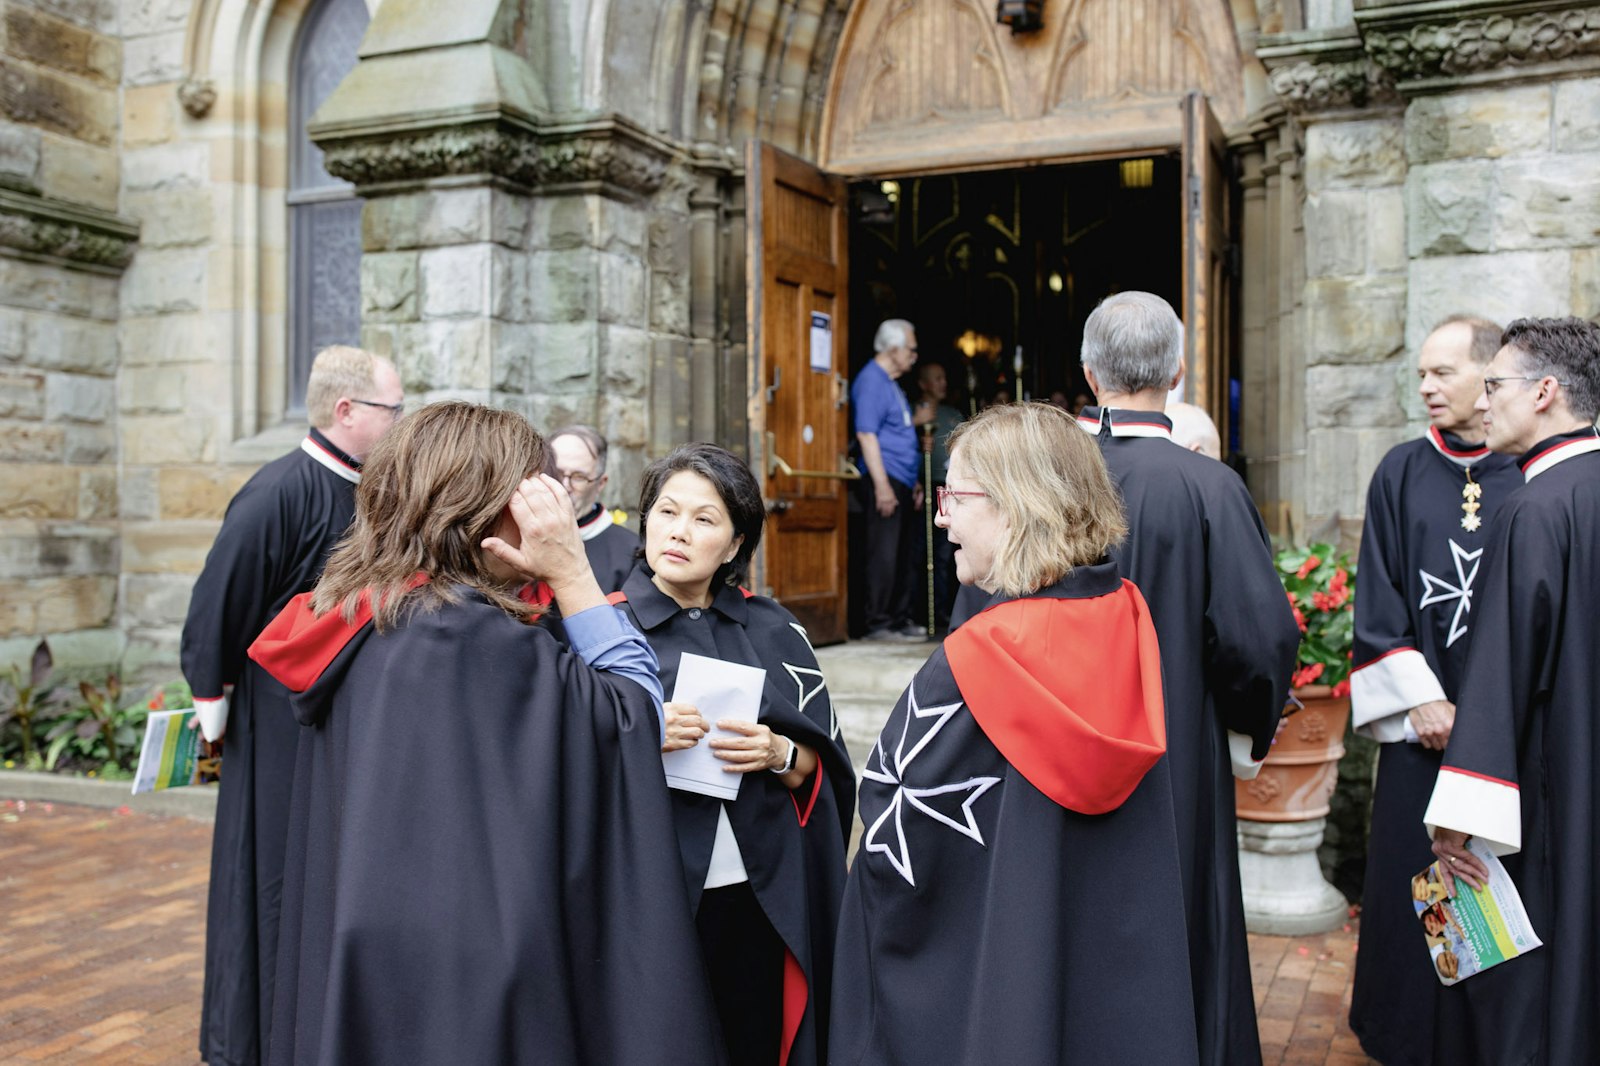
point(170, 757)
point(1478, 928)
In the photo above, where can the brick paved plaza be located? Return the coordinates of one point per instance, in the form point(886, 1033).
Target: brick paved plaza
point(102, 923)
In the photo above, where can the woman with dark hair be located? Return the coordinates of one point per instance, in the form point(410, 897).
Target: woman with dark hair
point(764, 872)
point(475, 873)
point(1016, 898)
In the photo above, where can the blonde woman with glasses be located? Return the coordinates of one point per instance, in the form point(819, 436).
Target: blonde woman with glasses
point(1016, 896)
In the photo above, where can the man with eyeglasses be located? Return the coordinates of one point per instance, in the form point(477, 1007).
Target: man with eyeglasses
point(275, 537)
point(892, 489)
point(1428, 509)
point(580, 458)
point(1199, 552)
point(1521, 775)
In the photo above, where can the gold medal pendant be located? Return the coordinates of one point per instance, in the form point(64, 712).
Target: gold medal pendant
point(1471, 493)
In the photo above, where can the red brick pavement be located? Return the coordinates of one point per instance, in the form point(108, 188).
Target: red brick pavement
point(102, 926)
point(102, 929)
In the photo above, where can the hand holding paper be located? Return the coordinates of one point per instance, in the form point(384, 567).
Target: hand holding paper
point(716, 689)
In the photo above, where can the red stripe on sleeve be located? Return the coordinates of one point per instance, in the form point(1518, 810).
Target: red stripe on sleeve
point(1481, 777)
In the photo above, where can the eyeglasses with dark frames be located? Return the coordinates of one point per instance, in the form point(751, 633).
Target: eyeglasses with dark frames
point(579, 482)
point(1492, 385)
point(395, 409)
point(941, 494)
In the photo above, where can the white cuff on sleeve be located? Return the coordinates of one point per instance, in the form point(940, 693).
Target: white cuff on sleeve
point(1482, 807)
point(1390, 729)
point(1244, 767)
point(213, 716)
point(1391, 684)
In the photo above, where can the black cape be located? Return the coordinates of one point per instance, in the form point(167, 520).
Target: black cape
point(612, 549)
point(1417, 568)
point(792, 843)
point(1199, 552)
point(1015, 898)
point(481, 864)
point(275, 537)
point(1522, 769)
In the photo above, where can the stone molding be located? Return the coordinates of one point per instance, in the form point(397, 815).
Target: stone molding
point(1399, 49)
point(1409, 50)
point(37, 227)
point(604, 155)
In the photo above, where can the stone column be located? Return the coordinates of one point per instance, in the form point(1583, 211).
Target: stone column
point(509, 254)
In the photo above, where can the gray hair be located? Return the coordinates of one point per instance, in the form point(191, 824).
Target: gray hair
point(1567, 349)
point(591, 439)
point(1133, 342)
point(892, 333)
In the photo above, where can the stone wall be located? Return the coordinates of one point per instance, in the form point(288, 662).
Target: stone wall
point(1452, 164)
point(1503, 203)
point(1357, 363)
point(203, 308)
point(535, 304)
point(62, 248)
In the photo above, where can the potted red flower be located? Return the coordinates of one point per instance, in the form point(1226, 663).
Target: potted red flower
point(1302, 769)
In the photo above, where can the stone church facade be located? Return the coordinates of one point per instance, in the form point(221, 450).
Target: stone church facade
point(541, 204)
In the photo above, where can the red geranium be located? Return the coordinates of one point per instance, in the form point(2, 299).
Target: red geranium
point(1320, 584)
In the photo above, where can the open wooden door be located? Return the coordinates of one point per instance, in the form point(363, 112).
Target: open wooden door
point(1207, 268)
point(798, 267)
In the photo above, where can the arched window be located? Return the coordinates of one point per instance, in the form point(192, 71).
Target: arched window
point(324, 212)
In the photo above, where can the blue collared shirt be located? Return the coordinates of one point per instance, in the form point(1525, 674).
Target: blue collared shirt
point(604, 638)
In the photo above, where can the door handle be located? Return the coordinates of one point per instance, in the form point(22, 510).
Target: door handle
point(847, 471)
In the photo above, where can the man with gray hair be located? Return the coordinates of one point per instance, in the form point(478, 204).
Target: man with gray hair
point(1199, 552)
point(1521, 774)
point(1428, 510)
point(580, 458)
point(275, 537)
point(887, 440)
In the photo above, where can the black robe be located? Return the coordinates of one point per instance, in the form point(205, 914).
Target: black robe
point(1016, 899)
point(274, 540)
point(1522, 770)
point(1199, 552)
point(792, 842)
point(612, 549)
point(481, 865)
point(1413, 615)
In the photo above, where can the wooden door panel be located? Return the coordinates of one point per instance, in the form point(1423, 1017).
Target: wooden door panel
point(798, 268)
point(1207, 277)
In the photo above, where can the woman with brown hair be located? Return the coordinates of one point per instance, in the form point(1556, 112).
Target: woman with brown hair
point(1016, 897)
point(480, 862)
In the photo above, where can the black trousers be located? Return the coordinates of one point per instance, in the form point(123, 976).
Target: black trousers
point(891, 543)
point(744, 959)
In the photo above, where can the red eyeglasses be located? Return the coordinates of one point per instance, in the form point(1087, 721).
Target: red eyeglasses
point(940, 495)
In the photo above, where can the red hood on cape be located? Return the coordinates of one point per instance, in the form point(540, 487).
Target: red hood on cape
point(1069, 690)
point(297, 645)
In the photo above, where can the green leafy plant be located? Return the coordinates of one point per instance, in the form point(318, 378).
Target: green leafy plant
point(98, 734)
point(1320, 583)
point(29, 697)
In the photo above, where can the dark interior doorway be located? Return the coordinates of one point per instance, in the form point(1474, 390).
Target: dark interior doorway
point(984, 262)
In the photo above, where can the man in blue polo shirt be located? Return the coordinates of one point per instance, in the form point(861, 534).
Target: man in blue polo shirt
point(893, 492)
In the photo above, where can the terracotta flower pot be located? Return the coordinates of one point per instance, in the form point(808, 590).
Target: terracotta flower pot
point(1302, 769)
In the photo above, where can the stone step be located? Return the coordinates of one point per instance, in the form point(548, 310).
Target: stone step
point(868, 671)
